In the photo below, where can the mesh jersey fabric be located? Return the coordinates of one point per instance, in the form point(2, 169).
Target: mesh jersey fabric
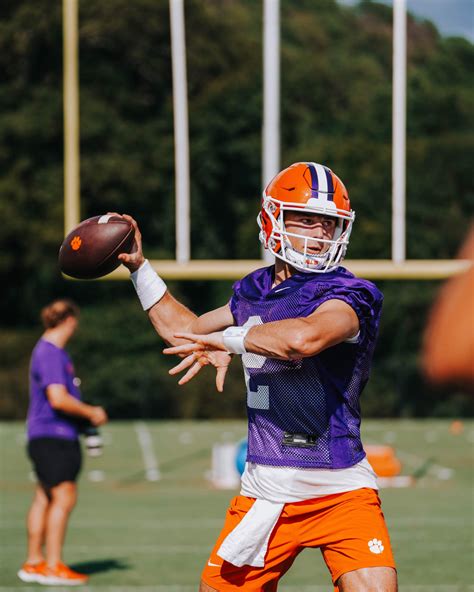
point(315, 396)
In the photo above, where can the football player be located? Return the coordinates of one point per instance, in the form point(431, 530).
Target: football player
point(56, 416)
point(306, 330)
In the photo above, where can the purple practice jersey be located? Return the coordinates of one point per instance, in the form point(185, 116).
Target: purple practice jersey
point(50, 365)
point(306, 413)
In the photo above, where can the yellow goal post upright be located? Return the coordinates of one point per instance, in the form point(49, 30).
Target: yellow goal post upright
point(184, 267)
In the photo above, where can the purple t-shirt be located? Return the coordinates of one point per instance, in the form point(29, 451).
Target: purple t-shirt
point(50, 365)
point(306, 413)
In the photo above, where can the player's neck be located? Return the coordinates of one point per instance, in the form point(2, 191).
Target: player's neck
point(282, 272)
point(56, 336)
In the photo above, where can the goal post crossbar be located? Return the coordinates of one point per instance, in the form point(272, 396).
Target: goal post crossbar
point(233, 269)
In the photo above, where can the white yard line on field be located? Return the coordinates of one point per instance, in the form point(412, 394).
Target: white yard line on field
point(152, 472)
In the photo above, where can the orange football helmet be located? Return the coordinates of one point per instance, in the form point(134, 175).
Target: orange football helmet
point(312, 188)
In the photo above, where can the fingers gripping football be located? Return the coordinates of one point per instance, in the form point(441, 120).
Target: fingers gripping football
point(135, 258)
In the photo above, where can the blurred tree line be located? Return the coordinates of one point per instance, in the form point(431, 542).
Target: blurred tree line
point(336, 109)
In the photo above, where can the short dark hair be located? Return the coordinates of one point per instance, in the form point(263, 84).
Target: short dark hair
point(57, 312)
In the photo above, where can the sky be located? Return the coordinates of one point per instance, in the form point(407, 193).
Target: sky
point(451, 17)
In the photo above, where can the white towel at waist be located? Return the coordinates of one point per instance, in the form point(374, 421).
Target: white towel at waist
point(248, 542)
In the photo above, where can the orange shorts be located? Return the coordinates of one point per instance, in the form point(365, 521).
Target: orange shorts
point(349, 529)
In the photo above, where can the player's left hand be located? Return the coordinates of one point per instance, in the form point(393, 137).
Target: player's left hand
point(203, 350)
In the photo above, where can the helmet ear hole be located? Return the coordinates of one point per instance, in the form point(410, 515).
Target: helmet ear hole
point(268, 221)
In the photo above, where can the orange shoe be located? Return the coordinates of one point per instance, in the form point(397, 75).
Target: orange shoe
point(30, 572)
point(60, 575)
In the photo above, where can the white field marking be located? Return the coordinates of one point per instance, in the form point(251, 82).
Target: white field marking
point(96, 475)
point(185, 438)
point(152, 471)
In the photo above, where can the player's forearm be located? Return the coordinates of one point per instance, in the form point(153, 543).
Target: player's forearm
point(66, 403)
point(214, 320)
point(293, 339)
point(166, 314)
point(169, 316)
point(333, 323)
point(285, 340)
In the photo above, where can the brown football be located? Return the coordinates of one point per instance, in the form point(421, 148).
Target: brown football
point(90, 250)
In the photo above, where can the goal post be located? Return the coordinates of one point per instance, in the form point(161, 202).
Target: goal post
point(185, 268)
point(233, 269)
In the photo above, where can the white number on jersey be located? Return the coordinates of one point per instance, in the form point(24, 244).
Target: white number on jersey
point(259, 399)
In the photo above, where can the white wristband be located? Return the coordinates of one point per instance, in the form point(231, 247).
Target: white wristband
point(234, 339)
point(148, 284)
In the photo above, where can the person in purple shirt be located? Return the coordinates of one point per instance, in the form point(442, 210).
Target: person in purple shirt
point(306, 329)
point(55, 416)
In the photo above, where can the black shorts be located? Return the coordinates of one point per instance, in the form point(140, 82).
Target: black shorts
point(55, 460)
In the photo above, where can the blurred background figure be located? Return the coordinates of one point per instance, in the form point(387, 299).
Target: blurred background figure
point(55, 416)
point(448, 354)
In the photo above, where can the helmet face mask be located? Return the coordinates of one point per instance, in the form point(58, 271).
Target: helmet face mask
point(313, 189)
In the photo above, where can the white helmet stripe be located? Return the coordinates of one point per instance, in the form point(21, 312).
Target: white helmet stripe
point(322, 180)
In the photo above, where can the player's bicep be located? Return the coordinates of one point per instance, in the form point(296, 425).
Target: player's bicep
point(214, 320)
point(55, 394)
point(52, 370)
point(335, 322)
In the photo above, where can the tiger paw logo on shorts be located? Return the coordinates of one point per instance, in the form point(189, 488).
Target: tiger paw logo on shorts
point(375, 546)
point(76, 243)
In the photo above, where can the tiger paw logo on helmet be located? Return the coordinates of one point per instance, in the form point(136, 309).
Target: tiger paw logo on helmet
point(314, 189)
point(76, 243)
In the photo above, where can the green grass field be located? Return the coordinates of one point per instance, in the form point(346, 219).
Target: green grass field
point(135, 535)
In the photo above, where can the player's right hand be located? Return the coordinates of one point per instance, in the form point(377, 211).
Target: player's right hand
point(135, 258)
point(98, 416)
point(195, 362)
